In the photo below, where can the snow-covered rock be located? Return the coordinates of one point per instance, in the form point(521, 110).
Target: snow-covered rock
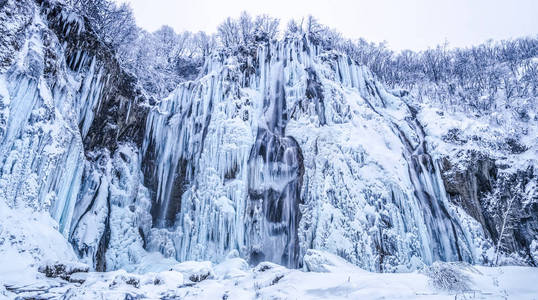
point(62, 270)
point(28, 240)
point(324, 262)
point(195, 271)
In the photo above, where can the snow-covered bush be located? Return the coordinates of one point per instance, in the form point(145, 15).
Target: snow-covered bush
point(447, 276)
point(63, 269)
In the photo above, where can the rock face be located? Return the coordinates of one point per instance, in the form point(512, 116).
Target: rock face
point(62, 270)
point(494, 196)
point(269, 153)
point(466, 187)
point(114, 98)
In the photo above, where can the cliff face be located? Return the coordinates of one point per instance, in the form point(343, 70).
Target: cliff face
point(502, 200)
point(489, 170)
point(63, 96)
point(117, 112)
point(269, 153)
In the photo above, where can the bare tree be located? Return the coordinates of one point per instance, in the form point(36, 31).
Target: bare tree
point(246, 28)
point(204, 43)
point(314, 30)
point(506, 217)
point(293, 28)
point(114, 24)
point(228, 32)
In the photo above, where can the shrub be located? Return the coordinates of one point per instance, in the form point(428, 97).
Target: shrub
point(447, 276)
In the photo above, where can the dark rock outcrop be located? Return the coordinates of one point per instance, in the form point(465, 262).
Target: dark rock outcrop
point(121, 114)
point(495, 196)
point(467, 185)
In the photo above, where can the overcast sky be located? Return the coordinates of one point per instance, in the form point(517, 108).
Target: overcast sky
point(404, 24)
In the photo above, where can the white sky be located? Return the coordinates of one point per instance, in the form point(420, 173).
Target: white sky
point(404, 24)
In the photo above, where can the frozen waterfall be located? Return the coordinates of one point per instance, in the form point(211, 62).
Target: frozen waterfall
point(293, 149)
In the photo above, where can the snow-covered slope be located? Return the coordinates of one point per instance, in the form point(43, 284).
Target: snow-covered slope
point(287, 153)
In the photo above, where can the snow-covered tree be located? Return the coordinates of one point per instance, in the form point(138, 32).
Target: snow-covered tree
point(229, 33)
point(266, 28)
point(204, 43)
point(114, 24)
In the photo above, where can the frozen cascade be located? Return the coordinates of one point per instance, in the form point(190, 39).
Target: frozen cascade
point(202, 127)
point(47, 108)
point(443, 230)
point(41, 149)
point(112, 217)
point(89, 96)
point(295, 149)
point(275, 178)
point(216, 127)
point(440, 235)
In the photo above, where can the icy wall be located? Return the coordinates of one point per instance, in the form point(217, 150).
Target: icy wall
point(41, 150)
point(112, 213)
point(293, 149)
point(56, 80)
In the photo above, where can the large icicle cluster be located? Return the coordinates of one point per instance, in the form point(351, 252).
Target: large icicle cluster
point(49, 98)
point(112, 215)
point(295, 149)
point(41, 152)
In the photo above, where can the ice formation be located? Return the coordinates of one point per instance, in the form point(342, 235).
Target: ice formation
point(41, 149)
point(302, 150)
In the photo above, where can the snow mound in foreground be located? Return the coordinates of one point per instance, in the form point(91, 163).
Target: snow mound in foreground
point(28, 240)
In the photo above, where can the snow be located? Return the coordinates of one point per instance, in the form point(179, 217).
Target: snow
point(27, 240)
point(481, 133)
point(233, 279)
point(324, 262)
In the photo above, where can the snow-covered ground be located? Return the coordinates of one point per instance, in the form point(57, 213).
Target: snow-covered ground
point(30, 240)
point(234, 279)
